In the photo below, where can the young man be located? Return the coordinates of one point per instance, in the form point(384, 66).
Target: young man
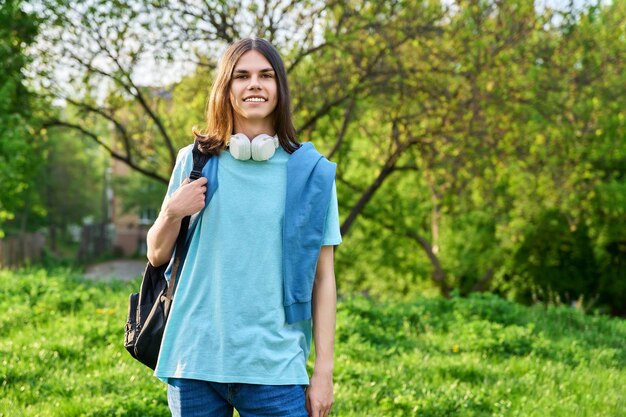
point(257, 283)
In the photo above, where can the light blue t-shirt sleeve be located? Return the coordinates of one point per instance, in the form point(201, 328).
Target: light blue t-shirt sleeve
point(332, 234)
point(181, 170)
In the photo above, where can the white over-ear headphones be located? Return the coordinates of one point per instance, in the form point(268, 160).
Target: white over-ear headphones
point(261, 148)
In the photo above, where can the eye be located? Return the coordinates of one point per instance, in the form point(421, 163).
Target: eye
point(268, 75)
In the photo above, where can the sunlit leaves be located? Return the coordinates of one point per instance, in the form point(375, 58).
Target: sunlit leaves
point(20, 153)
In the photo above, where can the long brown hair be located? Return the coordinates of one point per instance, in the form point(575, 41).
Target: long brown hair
point(219, 115)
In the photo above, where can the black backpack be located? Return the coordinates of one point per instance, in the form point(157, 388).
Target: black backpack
point(148, 310)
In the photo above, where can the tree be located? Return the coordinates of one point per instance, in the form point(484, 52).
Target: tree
point(457, 126)
point(19, 145)
point(72, 184)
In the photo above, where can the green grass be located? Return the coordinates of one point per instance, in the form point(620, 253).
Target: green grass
point(61, 354)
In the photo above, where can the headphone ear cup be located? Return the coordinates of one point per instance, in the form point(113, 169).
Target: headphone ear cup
point(240, 147)
point(262, 147)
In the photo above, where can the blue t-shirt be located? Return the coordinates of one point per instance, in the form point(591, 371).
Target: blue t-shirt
point(227, 322)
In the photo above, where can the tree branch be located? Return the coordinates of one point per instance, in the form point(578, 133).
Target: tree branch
point(344, 127)
point(116, 155)
point(438, 275)
point(386, 170)
point(109, 117)
point(482, 283)
point(135, 91)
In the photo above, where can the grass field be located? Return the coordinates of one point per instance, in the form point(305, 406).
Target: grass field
point(61, 354)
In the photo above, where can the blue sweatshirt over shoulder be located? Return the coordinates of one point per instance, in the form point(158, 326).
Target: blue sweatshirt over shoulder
point(310, 179)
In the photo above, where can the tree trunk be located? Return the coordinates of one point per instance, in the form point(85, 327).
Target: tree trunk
point(53, 237)
point(438, 274)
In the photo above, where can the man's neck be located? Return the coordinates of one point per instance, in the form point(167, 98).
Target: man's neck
point(253, 129)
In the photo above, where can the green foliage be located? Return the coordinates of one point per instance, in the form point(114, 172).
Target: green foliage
point(512, 118)
point(557, 259)
point(139, 193)
point(61, 344)
point(73, 180)
point(62, 355)
point(480, 144)
point(480, 356)
point(19, 148)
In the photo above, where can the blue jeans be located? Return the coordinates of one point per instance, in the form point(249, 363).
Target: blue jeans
point(194, 398)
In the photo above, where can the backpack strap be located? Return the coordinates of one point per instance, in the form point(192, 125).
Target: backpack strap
point(199, 161)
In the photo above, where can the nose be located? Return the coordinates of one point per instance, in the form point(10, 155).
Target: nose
point(254, 82)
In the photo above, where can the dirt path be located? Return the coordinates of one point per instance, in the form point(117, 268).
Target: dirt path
point(122, 269)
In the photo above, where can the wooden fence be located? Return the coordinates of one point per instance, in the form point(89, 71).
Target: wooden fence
point(19, 250)
point(95, 241)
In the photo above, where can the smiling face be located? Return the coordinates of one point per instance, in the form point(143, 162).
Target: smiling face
point(253, 93)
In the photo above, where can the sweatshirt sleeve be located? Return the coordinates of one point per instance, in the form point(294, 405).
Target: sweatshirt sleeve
point(332, 234)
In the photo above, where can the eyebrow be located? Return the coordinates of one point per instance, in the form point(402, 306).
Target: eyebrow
point(245, 71)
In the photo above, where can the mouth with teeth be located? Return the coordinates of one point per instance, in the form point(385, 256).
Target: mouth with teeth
point(255, 99)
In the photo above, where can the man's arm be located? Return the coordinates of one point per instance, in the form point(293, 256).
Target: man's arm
point(324, 311)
